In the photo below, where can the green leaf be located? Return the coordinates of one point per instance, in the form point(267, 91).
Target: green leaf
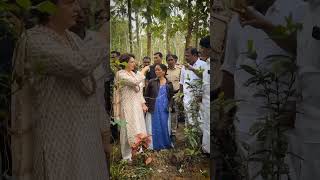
point(250, 46)
point(250, 81)
point(25, 4)
point(283, 65)
point(113, 123)
point(279, 31)
point(229, 107)
point(249, 69)
point(259, 152)
point(119, 122)
point(47, 7)
point(277, 57)
point(256, 127)
point(9, 7)
point(252, 55)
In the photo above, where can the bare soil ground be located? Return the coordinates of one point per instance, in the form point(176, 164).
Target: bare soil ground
point(169, 164)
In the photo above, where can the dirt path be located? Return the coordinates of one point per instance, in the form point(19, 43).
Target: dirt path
point(169, 164)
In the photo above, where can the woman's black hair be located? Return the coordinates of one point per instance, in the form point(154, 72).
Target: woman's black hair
point(43, 17)
point(125, 58)
point(164, 68)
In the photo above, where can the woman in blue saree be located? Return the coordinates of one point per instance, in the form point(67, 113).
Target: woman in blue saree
point(159, 93)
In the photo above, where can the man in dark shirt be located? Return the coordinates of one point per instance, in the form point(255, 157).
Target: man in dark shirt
point(157, 60)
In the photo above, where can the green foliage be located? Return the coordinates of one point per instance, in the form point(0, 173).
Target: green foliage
point(221, 104)
point(282, 32)
point(166, 16)
point(251, 53)
point(122, 170)
point(116, 170)
point(47, 7)
point(193, 132)
point(223, 135)
point(204, 173)
point(26, 4)
point(193, 141)
point(275, 86)
point(119, 122)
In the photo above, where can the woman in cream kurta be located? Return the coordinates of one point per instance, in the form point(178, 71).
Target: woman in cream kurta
point(132, 105)
point(57, 84)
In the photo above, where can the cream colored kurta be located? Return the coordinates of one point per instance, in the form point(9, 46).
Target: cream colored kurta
point(65, 116)
point(131, 100)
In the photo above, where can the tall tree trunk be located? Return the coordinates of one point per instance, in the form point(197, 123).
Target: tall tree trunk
point(190, 24)
point(149, 21)
point(127, 43)
point(137, 33)
point(196, 35)
point(197, 19)
point(167, 35)
point(130, 24)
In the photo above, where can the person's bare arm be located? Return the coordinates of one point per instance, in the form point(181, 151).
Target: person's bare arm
point(250, 17)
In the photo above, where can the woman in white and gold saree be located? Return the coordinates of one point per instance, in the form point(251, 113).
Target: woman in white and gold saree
point(54, 86)
point(129, 104)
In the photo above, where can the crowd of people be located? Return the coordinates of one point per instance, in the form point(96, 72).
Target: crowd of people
point(144, 96)
point(60, 96)
point(257, 21)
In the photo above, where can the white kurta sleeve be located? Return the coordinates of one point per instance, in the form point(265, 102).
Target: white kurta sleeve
point(53, 59)
point(232, 50)
point(128, 80)
point(182, 75)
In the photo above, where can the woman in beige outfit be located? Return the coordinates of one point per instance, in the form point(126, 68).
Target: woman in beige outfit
point(131, 104)
point(54, 96)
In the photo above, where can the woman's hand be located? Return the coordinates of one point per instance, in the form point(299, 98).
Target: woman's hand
point(188, 66)
point(144, 108)
point(145, 69)
point(105, 142)
point(107, 149)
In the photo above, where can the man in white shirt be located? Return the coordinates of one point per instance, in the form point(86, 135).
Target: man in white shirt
point(274, 12)
point(190, 74)
point(308, 123)
point(205, 49)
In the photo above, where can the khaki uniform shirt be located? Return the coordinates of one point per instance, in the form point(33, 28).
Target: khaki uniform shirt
point(174, 77)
